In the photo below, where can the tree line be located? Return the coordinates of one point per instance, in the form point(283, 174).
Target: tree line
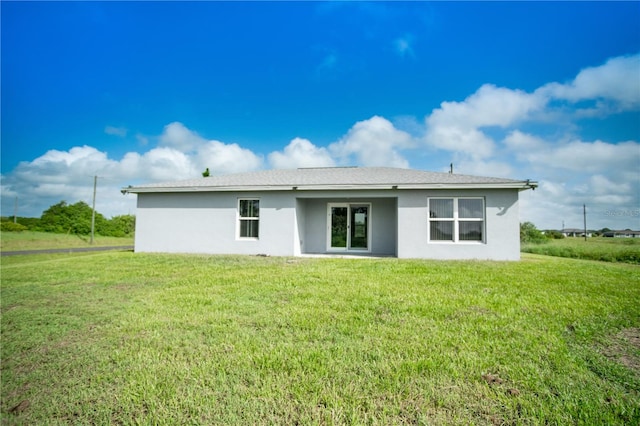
point(63, 218)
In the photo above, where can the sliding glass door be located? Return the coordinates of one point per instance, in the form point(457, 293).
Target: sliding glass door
point(348, 227)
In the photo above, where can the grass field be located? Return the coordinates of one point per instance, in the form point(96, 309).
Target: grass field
point(625, 250)
point(123, 338)
point(30, 240)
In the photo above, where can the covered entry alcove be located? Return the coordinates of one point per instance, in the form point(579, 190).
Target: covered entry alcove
point(353, 225)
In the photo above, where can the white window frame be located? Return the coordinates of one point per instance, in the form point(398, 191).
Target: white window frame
point(239, 219)
point(456, 221)
point(347, 248)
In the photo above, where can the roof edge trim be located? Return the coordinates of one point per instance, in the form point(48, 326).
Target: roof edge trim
point(520, 185)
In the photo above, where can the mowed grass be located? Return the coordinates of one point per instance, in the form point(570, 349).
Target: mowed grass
point(123, 338)
point(595, 248)
point(31, 240)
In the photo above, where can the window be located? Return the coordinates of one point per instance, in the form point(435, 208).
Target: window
point(456, 219)
point(249, 218)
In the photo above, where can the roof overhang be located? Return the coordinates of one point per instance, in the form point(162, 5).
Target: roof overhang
point(519, 185)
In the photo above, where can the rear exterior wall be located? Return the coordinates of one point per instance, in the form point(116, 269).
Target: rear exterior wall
point(502, 227)
point(295, 222)
point(207, 222)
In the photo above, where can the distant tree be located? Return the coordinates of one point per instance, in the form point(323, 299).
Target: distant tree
point(530, 234)
point(75, 218)
point(54, 219)
point(600, 232)
point(556, 235)
point(63, 218)
point(30, 222)
point(206, 173)
point(122, 226)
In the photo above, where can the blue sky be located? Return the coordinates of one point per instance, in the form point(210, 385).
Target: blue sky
point(140, 92)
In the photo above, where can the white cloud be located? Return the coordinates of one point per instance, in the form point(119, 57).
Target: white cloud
point(59, 190)
point(116, 131)
point(577, 156)
point(7, 190)
point(219, 157)
point(178, 136)
point(488, 106)
point(523, 142)
point(158, 164)
point(604, 175)
point(617, 80)
point(593, 157)
point(528, 148)
point(301, 153)
point(142, 140)
point(456, 126)
point(63, 166)
point(546, 207)
point(223, 158)
point(603, 190)
point(403, 46)
point(461, 127)
point(484, 168)
point(471, 142)
point(557, 203)
point(373, 142)
point(68, 175)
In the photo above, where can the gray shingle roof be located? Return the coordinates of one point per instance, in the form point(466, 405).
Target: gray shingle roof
point(331, 178)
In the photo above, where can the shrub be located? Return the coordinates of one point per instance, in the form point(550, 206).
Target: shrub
point(530, 234)
point(12, 227)
point(556, 235)
point(120, 226)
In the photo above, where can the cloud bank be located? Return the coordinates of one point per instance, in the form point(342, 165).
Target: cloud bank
point(495, 131)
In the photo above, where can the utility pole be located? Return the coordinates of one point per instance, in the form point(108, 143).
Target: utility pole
point(15, 210)
point(93, 212)
point(584, 214)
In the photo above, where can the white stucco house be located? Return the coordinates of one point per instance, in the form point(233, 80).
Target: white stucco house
point(376, 211)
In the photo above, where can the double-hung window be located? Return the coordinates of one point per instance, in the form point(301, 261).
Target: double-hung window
point(456, 219)
point(248, 218)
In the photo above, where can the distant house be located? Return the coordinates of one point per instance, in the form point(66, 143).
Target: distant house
point(574, 232)
point(627, 233)
point(350, 210)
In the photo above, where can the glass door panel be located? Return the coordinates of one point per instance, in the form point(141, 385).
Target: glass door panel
point(359, 224)
point(348, 227)
point(339, 219)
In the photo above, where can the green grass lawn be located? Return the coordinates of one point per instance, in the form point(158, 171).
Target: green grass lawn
point(30, 240)
point(596, 248)
point(123, 338)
